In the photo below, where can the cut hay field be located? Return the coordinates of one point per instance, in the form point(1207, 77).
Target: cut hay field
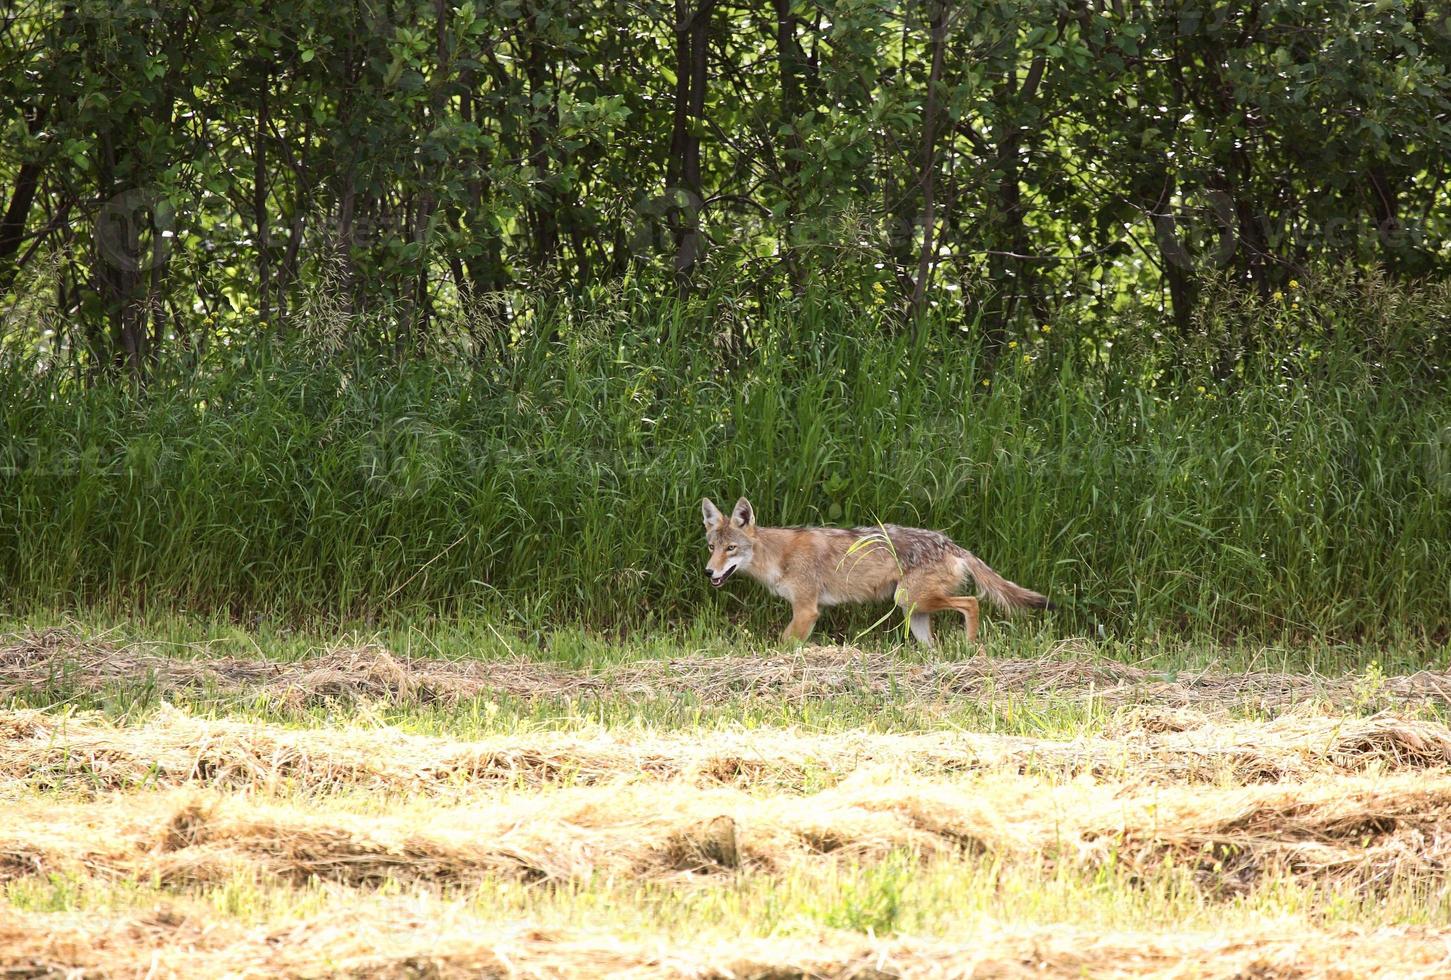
point(189, 802)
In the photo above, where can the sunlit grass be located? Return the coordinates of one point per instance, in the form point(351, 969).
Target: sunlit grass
point(902, 894)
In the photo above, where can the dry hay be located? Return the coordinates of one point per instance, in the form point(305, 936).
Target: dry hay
point(1369, 830)
point(84, 752)
point(409, 939)
point(1372, 831)
point(183, 800)
point(368, 671)
point(568, 836)
point(45, 658)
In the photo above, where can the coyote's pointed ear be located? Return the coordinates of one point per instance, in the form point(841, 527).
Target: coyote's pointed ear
point(710, 512)
point(743, 515)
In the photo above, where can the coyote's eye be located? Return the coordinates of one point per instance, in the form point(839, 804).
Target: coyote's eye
point(730, 549)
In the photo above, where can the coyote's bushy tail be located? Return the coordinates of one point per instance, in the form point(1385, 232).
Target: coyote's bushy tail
point(1003, 594)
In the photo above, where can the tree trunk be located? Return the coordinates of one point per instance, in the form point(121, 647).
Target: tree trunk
point(692, 50)
point(789, 59)
point(926, 259)
point(259, 200)
point(1014, 263)
point(543, 122)
point(1385, 205)
point(12, 225)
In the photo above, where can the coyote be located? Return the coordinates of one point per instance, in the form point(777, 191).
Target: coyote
point(822, 566)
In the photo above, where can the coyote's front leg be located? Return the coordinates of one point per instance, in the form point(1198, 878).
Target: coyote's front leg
point(803, 618)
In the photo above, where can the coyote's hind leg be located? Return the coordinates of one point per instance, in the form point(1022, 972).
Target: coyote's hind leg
point(926, 605)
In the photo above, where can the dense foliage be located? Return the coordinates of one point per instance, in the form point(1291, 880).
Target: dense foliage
point(174, 173)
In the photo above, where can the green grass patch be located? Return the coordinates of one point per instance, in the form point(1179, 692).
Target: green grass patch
point(1291, 494)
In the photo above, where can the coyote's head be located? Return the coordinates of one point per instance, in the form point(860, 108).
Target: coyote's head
point(732, 539)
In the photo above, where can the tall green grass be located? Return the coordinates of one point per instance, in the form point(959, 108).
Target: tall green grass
point(1285, 472)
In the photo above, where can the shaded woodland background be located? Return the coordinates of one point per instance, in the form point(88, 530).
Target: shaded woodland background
point(190, 169)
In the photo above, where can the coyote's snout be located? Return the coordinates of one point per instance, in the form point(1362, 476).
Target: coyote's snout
point(813, 567)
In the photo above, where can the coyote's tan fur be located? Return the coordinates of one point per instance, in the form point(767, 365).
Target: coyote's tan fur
point(813, 567)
